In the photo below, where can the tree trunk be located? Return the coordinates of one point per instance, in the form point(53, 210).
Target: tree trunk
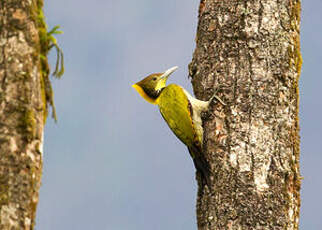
point(250, 49)
point(22, 111)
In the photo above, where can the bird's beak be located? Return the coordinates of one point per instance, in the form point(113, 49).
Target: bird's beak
point(168, 72)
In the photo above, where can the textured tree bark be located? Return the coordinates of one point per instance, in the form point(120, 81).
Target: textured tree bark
point(22, 112)
point(251, 50)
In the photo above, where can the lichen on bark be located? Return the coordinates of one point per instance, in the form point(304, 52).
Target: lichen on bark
point(251, 50)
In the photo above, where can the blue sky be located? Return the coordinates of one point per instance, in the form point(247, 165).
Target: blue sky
point(111, 162)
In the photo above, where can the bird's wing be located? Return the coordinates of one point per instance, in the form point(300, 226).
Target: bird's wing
point(175, 109)
point(177, 112)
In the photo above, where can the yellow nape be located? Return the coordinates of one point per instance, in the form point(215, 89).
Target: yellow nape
point(143, 94)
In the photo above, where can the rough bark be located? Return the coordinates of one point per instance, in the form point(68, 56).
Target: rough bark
point(22, 112)
point(251, 50)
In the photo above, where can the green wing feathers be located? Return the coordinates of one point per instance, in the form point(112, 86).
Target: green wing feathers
point(176, 111)
point(174, 107)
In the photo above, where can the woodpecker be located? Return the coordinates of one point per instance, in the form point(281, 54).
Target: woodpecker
point(182, 113)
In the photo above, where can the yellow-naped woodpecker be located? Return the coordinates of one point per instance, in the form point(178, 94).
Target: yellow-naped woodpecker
point(181, 111)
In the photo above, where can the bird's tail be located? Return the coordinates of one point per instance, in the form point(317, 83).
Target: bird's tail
point(201, 165)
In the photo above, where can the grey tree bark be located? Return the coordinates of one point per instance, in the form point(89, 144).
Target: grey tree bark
point(23, 109)
point(251, 50)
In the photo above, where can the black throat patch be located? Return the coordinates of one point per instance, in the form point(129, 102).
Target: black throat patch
point(154, 94)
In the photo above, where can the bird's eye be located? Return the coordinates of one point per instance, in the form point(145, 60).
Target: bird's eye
point(154, 79)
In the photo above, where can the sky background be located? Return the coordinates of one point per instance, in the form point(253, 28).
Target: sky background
point(111, 163)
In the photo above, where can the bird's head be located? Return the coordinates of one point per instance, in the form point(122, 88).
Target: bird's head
point(151, 86)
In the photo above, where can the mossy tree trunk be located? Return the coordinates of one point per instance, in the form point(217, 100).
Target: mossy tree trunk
point(22, 112)
point(250, 49)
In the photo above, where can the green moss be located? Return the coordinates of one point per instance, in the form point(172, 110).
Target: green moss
point(296, 14)
point(28, 123)
point(296, 63)
point(47, 41)
point(297, 55)
point(43, 97)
